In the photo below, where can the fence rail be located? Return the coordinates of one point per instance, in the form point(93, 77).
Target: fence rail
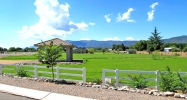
point(117, 77)
point(57, 73)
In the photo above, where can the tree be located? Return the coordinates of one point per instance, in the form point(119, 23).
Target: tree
point(91, 50)
point(103, 50)
point(49, 54)
point(26, 49)
point(18, 49)
point(11, 49)
point(155, 41)
point(141, 45)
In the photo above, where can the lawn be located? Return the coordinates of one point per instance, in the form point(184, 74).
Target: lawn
point(94, 63)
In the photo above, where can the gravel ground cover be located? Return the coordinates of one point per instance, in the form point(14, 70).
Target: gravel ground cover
point(88, 92)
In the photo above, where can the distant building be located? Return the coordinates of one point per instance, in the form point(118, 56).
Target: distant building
point(167, 49)
point(80, 50)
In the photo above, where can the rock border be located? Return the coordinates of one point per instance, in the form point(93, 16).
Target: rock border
point(148, 91)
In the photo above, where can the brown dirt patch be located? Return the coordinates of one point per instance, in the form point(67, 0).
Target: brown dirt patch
point(12, 61)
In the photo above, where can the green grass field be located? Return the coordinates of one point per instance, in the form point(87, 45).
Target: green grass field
point(94, 63)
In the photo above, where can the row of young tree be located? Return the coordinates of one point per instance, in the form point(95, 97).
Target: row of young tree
point(18, 49)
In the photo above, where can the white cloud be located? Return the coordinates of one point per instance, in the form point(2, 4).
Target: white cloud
point(85, 39)
point(53, 21)
point(112, 39)
point(125, 16)
point(151, 13)
point(92, 24)
point(130, 38)
point(107, 18)
point(153, 5)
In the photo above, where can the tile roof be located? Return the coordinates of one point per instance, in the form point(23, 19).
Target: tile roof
point(56, 41)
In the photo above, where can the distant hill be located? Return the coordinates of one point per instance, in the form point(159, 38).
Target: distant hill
point(108, 44)
point(95, 43)
point(178, 39)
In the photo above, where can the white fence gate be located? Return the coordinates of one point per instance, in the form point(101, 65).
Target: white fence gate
point(58, 74)
point(117, 77)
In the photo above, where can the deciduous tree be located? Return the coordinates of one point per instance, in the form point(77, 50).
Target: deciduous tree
point(49, 54)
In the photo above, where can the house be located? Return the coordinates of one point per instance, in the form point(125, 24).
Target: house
point(167, 49)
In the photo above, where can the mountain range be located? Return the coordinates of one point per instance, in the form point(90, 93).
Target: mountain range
point(108, 44)
point(95, 43)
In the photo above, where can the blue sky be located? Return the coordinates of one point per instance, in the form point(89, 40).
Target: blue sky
point(25, 22)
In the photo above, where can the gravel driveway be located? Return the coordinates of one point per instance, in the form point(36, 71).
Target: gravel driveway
point(88, 92)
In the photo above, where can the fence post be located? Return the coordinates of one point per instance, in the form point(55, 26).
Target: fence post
point(1, 68)
point(84, 74)
point(117, 77)
point(157, 79)
point(17, 67)
point(57, 73)
point(35, 71)
point(103, 77)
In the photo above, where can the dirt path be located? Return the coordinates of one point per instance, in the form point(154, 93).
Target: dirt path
point(13, 61)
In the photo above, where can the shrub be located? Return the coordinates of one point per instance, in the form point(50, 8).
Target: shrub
point(95, 80)
point(137, 82)
point(185, 49)
point(182, 83)
point(155, 55)
point(175, 50)
point(176, 54)
point(131, 51)
point(168, 80)
point(21, 72)
point(91, 50)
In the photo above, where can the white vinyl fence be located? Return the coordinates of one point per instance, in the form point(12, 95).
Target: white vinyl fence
point(117, 77)
point(57, 73)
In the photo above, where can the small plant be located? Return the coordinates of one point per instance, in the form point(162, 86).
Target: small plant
point(21, 72)
point(168, 80)
point(176, 54)
point(155, 55)
point(182, 83)
point(137, 82)
point(96, 80)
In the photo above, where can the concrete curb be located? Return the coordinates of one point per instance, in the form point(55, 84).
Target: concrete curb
point(36, 94)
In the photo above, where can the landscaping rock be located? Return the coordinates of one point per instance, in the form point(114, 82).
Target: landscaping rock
point(122, 88)
point(151, 92)
point(104, 87)
point(80, 83)
point(183, 96)
point(96, 86)
point(168, 93)
point(177, 95)
point(15, 76)
point(132, 90)
point(143, 91)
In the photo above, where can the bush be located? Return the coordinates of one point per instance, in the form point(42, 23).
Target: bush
point(155, 55)
point(137, 82)
point(182, 83)
point(185, 49)
point(95, 80)
point(21, 72)
point(168, 80)
point(91, 50)
point(175, 50)
point(131, 51)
